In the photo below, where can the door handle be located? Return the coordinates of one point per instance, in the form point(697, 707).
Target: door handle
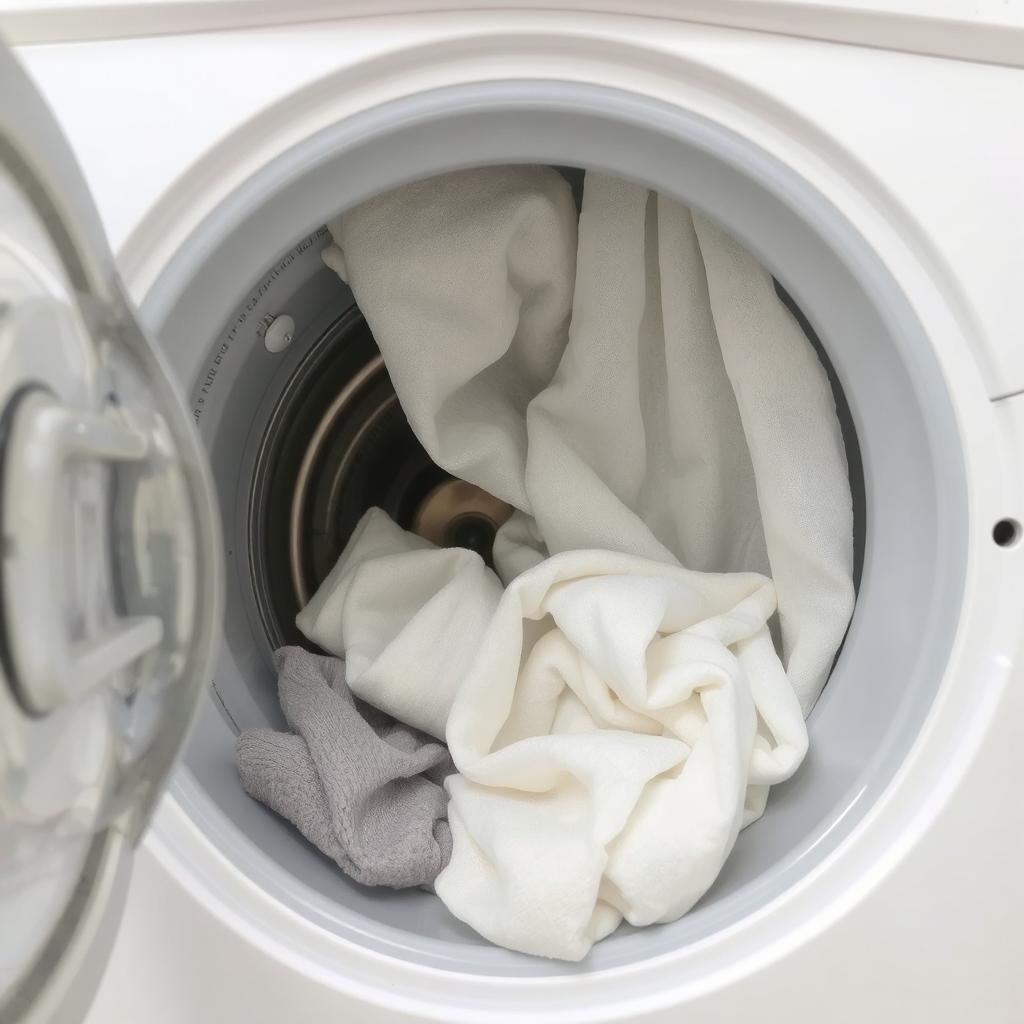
point(48, 668)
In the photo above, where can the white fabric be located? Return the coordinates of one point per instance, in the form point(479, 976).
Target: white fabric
point(610, 718)
point(390, 595)
point(617, 717)
point(688, 420)
point(469, 278)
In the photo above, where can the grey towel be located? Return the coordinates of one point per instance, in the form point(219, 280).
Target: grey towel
point(363, 788)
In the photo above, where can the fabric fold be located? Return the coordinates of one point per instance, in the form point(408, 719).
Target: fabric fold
point(657, 727)
point(610, 717)
point(466, 281)
point(387, 591)
point(362, 788)
point(683, 417)
point(636, 389)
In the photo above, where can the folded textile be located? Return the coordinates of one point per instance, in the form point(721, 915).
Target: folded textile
point(685, 418)
point(361, 787)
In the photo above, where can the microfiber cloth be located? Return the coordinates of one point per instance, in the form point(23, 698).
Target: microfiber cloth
point(622, 710)
point(361, 787)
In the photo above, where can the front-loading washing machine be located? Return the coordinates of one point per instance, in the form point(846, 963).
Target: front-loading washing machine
point(156, 419)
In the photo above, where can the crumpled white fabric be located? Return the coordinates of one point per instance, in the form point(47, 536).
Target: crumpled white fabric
point(615, 722)
point(683, 420)
point(685, 417)
point(390, 595)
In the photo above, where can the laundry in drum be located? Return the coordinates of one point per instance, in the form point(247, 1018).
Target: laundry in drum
point(623, 592)
point(363, 788)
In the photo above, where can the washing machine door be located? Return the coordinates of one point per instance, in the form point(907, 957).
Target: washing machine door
point(109, 572)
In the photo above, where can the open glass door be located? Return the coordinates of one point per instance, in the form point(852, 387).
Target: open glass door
point(110, 578)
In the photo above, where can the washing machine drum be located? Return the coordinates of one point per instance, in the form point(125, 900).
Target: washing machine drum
point(303, 437)
point(113, 506)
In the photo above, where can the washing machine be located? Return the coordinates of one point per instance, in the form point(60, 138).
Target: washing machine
point(158, 408)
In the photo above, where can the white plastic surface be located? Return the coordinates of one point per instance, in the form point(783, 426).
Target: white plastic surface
point(896, 952)
point(934, 144)
point(279, 333)
point(925, 155)
point(991, 30)
point(102, 482)
point(45, 437)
